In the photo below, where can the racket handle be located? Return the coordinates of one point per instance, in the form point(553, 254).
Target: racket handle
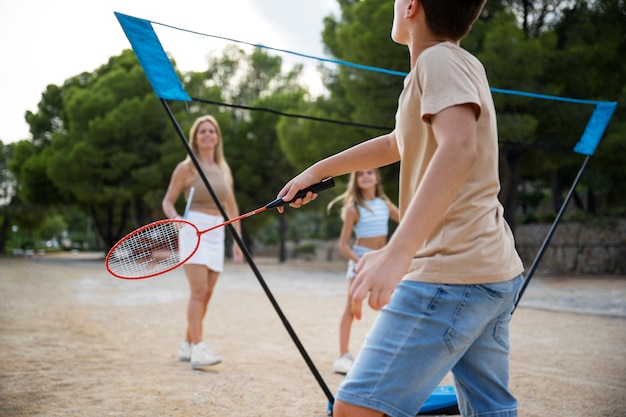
point(315, 188)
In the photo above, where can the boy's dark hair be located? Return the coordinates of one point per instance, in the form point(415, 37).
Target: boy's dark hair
point(452, 19)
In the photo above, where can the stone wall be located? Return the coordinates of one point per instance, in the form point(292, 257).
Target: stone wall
point(575, 248)
point(579, 248)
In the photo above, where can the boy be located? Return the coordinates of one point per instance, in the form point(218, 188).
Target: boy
point(451, 264)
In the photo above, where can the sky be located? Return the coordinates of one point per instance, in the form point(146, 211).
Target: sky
point(46, 42)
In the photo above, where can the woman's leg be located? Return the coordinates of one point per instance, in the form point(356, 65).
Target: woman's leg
point(201, 284)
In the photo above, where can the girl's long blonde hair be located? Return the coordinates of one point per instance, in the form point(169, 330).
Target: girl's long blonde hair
point(218, 155)
point(353, 197)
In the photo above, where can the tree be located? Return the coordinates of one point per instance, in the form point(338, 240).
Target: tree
point(104, 148)
point(356, 98)
point(538, 16)
point(262, 167)
point(589, 62)
point(101, 143)
point(260, 81)
point(532, 46)
point(20, 210)
point(362, 37)
point(8, 199)
point(48, 118)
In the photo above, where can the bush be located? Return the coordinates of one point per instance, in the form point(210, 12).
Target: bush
point(305, 250)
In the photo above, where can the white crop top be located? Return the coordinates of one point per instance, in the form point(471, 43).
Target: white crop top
point(373, 220)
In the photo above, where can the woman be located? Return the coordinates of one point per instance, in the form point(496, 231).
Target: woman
point(203, 268)
point(366, 212)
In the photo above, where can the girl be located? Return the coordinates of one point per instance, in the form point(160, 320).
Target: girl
point(366, 212)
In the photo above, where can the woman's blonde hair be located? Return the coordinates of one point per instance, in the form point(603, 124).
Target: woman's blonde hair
point(353, 197)
point(218, 155)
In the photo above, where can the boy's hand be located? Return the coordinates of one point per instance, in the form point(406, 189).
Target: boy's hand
point(377, 274)
point(290, 189)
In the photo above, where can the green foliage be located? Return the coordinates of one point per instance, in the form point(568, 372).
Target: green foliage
point(101, 149)
point(7, 178)
point(305, 250)
point(306, 141)
point(49, 117)
point(251, 144)
point(362, 37)
point(302, 225)
point(606, 173)
point(53, 227)
point(550, 61)
point(102, 145)
point(8, 186)
point(512, 60)
point(591, 52)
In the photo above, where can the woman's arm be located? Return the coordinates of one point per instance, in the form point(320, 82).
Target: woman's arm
point(351, 216)
point(178, 183)
point(232, 210)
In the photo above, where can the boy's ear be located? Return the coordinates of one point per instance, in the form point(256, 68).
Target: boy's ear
point(412, 7)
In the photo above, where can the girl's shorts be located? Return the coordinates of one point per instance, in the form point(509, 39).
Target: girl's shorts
point(211, 249)
point(358, 251)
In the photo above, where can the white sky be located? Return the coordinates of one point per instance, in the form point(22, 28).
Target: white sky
point(46, 42)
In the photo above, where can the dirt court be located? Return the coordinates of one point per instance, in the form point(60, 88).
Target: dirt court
point(74, 341)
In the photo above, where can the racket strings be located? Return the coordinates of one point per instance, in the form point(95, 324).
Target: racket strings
point(153, 250)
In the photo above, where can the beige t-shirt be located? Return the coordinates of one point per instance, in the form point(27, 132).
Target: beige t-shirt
point(472, 243)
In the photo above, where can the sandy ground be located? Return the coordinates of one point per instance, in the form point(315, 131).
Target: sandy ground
point(75, 341)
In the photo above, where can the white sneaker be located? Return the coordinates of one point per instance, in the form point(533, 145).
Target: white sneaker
point(184, 354)
point(202, 355)
point(343, 363)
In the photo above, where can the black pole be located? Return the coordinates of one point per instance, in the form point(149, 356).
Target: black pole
point(555, 224)
point(249, 258)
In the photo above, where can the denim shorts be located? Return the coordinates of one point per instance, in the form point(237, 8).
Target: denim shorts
point(428, 330)
point(358, 251)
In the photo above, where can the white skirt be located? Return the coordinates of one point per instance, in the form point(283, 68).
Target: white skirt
point(211, 249)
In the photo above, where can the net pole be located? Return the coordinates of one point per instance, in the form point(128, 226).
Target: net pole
point(250, 260)
point(555, 224)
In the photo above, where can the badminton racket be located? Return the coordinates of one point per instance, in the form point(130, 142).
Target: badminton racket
point(164, 245)
point(188, 205)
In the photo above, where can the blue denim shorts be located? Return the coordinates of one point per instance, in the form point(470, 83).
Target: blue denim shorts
point(358, 251)
point(428, 330)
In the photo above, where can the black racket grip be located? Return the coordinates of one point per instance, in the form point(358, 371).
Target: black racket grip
point(315, 188)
